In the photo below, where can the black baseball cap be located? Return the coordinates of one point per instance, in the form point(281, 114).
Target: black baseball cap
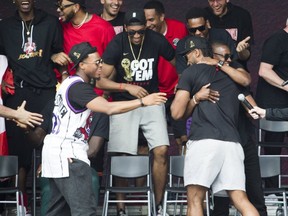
point(79, 52)
point(134, 17)
point(194, 42)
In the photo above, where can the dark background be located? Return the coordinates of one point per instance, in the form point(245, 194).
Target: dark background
point(267, 17)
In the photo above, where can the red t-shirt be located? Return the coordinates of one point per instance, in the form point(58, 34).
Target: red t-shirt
point(167, 74)
point(97, 32)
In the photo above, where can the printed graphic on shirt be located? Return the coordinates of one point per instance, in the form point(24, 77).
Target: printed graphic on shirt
point(30, 50)
point(118, 29)
point(175, 41)
point(233, 32)
point(138, 71)
point(83, 132)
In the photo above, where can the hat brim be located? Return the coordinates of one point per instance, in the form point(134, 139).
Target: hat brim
point(84, 55)
point(184, 52)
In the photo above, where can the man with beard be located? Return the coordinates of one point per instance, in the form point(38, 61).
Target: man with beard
point(80, 26)
point(214, 156)
point(34, 78)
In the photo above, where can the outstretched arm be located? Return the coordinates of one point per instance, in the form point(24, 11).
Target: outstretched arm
point(21, 115)
point(99, 104)
point(104, 83)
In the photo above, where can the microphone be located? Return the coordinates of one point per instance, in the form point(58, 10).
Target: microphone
point(246, 103)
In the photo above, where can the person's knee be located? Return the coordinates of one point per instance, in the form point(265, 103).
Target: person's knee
point(196, 194)
point(160, 154)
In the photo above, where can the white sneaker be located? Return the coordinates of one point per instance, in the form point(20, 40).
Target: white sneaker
point(22, 211)
point(159, 211)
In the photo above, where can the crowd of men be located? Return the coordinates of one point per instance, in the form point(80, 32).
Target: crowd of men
point(123, 77)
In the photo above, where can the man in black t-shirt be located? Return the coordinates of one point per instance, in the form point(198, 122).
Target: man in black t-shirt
point(222, 14)
point(214, 155)
point(133, 55)
point(272, 85)
point(199, 25)
point(239, 75)
point(111, 13)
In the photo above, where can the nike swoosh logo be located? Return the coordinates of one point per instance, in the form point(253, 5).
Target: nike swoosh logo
point(125, 54)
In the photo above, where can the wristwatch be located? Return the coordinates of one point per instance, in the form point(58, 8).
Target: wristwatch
point(220, 64)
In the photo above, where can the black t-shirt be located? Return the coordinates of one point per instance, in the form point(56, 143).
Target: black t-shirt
point(80, 94)
point(237, 21)
point(212, 120)
point(214, 35)
point(275, 52)
point(30, 56)
point(118, 22)
point(142, 72)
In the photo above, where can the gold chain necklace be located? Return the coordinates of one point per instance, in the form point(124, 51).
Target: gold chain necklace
point(28, 28)
point(81, 24)
point(139, 50)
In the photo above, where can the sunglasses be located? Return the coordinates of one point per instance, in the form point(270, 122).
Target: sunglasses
point(132, 32)
point(225, 56)
point(200, 28)
point(97, 62)
point(62, 7)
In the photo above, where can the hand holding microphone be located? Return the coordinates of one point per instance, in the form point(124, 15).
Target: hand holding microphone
point(246, 103)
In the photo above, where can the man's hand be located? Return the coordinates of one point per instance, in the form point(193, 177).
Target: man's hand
point(243, 45)
point(136, 91)
point(61, 59)
point(27, 118)
point(154, 99)
point(257, 112)
point(205, 93)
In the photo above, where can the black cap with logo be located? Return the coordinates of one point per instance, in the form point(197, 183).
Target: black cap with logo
point(194, 42)
point(134, 17)
point(79, 52)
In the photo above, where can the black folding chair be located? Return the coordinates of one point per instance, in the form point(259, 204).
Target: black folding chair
point(9, 169)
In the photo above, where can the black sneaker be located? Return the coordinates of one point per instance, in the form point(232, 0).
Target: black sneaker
point(121, 212)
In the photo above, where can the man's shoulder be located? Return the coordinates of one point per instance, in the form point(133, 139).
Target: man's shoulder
point(97, 20)
point(235, 9)
point(198, 68)
point(174, 22)
point(176, 27)
point(218, 34)
point(41, 16)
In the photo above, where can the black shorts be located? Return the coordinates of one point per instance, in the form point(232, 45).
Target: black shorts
point(178, 126)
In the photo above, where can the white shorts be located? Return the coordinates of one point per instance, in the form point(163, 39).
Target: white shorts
point(215, 163)
point(123, 136)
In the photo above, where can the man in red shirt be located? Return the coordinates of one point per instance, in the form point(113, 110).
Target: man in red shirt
point(173, 30)
point(81, 26)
